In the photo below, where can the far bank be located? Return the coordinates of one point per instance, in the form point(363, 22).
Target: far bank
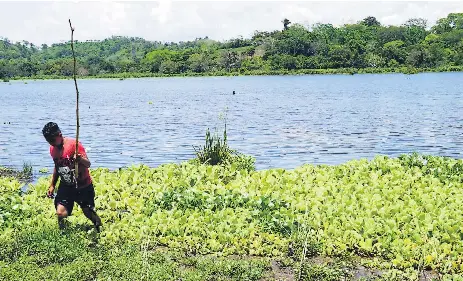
point(338, 71)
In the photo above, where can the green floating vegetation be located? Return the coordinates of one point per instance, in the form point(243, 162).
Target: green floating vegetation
point(24, 175)
point(43, 170)
point(400, 215)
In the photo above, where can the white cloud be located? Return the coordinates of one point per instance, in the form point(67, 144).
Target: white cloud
point(162, 11)
point(167, 20)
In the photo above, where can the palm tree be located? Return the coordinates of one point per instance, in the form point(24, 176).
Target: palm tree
point(286, 22)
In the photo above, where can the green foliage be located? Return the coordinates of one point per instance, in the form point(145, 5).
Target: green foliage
point(25, 174)
point(308, 271)
point(10, 201)
point(243, 162)
point(64, 257)
point(43, 246)
point(402, 214)
point(217, 152)
point(43, 170)
point(371, 21)
point(27, 170)
point(304, 244)
point(319, 49)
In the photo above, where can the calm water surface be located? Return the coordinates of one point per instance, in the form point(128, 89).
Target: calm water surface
point(283, 121)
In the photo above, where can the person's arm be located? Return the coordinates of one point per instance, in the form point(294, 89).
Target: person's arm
point(82, 156)
point(83, 160)
point(54, 179)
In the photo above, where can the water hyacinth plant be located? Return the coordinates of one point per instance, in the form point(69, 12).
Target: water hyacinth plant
point(397, 216)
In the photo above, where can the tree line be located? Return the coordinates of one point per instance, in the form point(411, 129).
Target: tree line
point(366, 44)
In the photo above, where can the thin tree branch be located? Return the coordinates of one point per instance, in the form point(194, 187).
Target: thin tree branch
point(77, 103)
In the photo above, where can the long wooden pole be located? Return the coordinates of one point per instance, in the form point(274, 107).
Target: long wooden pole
point(77, 102)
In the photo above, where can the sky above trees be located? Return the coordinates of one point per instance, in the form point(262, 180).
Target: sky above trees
point(166, 20)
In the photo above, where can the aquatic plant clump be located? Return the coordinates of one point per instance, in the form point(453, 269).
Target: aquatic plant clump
point(217, 152)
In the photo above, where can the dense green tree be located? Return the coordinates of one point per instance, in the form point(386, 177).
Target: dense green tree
point(453, 21)
point(229, 60)
point(371, 21)
point(254, 63)
point(395, 50)
point(296, 40)
point(417, 22)
point(199, 63)
point(154, 59)
point(283, 61)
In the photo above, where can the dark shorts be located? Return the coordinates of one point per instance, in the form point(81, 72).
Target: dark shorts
point(67, 195)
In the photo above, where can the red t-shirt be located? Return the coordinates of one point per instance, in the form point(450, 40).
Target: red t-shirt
point(65, 166)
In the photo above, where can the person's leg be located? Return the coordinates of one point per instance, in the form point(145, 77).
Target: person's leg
point(91, 215)
point(86, 200)
point(64, 204)
point(62, 213)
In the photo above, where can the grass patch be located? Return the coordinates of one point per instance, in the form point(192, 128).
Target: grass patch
point(48, 254)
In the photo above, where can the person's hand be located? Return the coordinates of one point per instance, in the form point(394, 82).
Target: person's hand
point(77, 157)
point(82, 159)
point(51, 189)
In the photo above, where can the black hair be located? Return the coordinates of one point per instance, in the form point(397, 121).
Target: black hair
point(51, 129)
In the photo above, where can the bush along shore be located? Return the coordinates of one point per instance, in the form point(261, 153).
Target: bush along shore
point(339, 71)
point(216, 218)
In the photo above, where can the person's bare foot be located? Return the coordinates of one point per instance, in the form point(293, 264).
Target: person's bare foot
point(97, 227)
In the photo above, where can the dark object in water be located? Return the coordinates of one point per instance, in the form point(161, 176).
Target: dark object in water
point(233, 92)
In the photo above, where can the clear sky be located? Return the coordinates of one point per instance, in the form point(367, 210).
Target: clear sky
point(168, 20)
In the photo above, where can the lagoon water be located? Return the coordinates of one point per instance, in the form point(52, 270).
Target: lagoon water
point(283, 121)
